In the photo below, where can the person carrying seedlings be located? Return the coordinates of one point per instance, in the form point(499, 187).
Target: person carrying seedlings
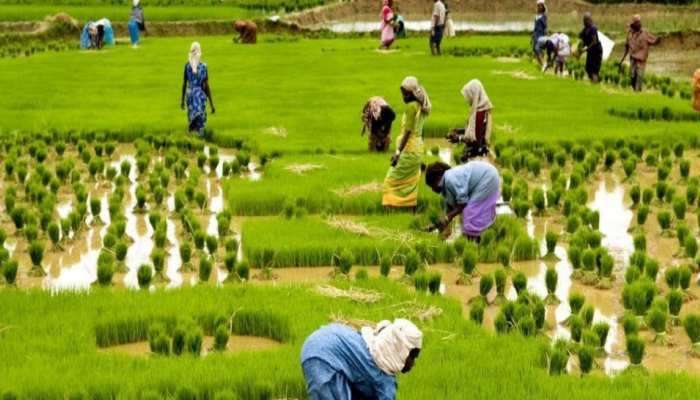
point(247, 32)
point(401, 182)
point(137, 22)
point(477, 132)
point(195, 88)
point(539, 32)
point(637, 46)
point(377, 117)
point(340, 363)
point(591, 45)
point(471, 189)
point(437, 28)
point(387, 26)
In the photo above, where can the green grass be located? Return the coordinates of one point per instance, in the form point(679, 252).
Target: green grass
point(308, 88)
point(120, 13)
point(325, 188)
point(52, 337)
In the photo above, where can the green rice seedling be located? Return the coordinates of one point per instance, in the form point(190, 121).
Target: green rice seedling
point(585, 359)
point(178, 340)
point(141, 198)
point(212, 245)
point(201, 199)
point(679, 207)
point(194, 340)
point(635, 349)
point(362, 275)
point(243, 270)
point(105, 272)
point(588, 259)
point(691, 194)
point(558, 360)
point(630, 324)
point(551, 279)
point(18, 217)
point(642, 214)
point(576, 302)
point(3, 237)
point(158, 260)
point(109, 241)
point(539, 201)
point(521, 208)
point(638, 297)
point(638, 259)
point(587, 313)
point(657, 319)
point(635, 195)
point(485, 285)
point(675, 300)
point(54, 232)
point(420, 282)
point(36, 254)
point(230, 262)
point(662, 173)
point(601, 329)
point(554, 197)
point(470, 256)
point(576, 326)
point(647, 196)
point(607, 264)
point(125, 168)
point(534, 166)
point(31, 232)
point(673, 277)
point(527, 326)
point(144, 275)
point(651, 268)
point(594, 239)
point(691, 324)
point(684, 167)
point(199, 238)
point(661, 188)
point(572, 223)
point(503, 255)
point(610, 158)
point(539, 312)
point(346, 259)
point(670, 194)
point(205, 268)
point(525, 248)
point(664, 220)
point(385, 265)
point(519, 282)
point(434, 282)
point(500, 278)
point(221, 336)
point(686, 275)
point(629, 166)
point(476, 312)
point(9, 271)
point(551, 239)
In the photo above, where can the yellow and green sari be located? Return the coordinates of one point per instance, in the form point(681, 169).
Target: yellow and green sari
point(401, 182)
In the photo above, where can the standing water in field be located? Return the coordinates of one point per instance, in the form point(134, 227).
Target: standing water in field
point(615, 220)
point(425, 26)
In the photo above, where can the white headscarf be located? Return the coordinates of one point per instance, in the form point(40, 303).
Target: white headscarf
point(195, 56)
point(411, 84)
point(475, 95)
point(390, 343)
point(136, 3)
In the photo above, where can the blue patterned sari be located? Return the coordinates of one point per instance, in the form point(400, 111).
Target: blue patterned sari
point(196, 98)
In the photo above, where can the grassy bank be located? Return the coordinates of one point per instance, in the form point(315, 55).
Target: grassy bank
point(120, 13)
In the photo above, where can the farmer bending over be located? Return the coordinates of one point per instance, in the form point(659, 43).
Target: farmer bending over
point(247, 32)
point(638, 42)
point(477, 131)
point(377, 117)
point(472, 189)
point(341, 363)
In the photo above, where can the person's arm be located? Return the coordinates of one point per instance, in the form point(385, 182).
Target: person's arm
point(402, 145)
point(409, 127)
point(653, 40)
point(184, 89)
point(627, 50)
point(207, 91)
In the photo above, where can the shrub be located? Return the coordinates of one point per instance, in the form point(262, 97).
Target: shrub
point(385, 265)
point(144, 276)
point(635, 349)
point(221, 335)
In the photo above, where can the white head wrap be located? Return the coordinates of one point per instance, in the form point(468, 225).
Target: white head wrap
point(136, 3)
point(411, 84)
point(475, 94)
point(195, 56)
point(390, 343)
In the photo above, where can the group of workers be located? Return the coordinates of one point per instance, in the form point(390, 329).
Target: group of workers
point(392, 25)
point(558, 47)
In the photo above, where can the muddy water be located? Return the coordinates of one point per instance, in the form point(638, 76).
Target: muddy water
point(236, 344)
point(425, 26)
point(615, 219)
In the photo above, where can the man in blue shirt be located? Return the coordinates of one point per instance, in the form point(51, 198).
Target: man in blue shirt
point(341, 363)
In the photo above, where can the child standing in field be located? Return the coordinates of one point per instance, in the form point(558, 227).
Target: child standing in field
point(195, 88)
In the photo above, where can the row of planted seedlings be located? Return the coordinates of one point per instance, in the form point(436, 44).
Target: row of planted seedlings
point(592, 264)
point(77, 169)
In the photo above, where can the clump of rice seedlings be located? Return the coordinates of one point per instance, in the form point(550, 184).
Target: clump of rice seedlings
point(18, 217)
point(158, 339)
point(642, 214)
point(230, 262)
point(120, 251)
point(521, 208)
point(500, 278)
point(158, 260)
point(635, 195)
point(221, 336)
point(635, 349)
point(243, 270)
point(629, 166)
point(201, 200)
point(664, 220)
point(663, 172)
point(503, 255)
point(576, 326)
point(691, 194)
point(576, 302)
point(485, 285)
point(185, 255)
point(144, 275)
point(679, 207)
point(346, 259)
point(686, 275)
point(638, 297)
point(434, 282)
point(362, 275)
point(678, 149)
point(105, 270)
point(141, 197)
point(691, 324)
point(212, 245)
point(519, 282)
point(420, 282)
point(610, 158)
point(9, 271)
point(193, 340)
point(551, 278)
point(476, 312)
point(651, 268)
point(199, 237)
point(675, 300)
point(539, 201)
point(470, 256)
point(205, 268)
point(630, 324)
point(572, 223)
point(587, 314)
point(684, 167)
point(558, 359)
point(385, 265)
point(601, 329)
point(661, 188)
point(673, 277)
point(54, 232)
point(605, 270)
point(588, 259)
point(551, 239)
point(640, 241)
point(525, 248)
point(178, 340)
point(36, 254)
point(647, 196)
point(670, 194)
point(585, 359)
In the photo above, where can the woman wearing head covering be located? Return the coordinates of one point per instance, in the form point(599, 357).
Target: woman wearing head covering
point(195, 88)
point(137, 22)
point(401, 182)
point(377, 117)
point(471, 189)
point(341, 363)
point(539, 33)
point(477, 132)
point(386, 27)
point(591, 45)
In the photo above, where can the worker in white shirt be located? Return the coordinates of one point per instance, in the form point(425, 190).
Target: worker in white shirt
point(437, 26)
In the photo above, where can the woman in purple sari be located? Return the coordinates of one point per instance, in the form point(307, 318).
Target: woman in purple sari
point(471, 189)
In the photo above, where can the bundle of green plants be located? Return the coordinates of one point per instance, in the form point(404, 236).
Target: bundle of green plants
point(36, 254)
point(420, 282)
point(651, 268)
point(476, 312)
point(434, 283)
point(500, 278)
point(638, 297)
point(601, 329)
point(558, 358)
point(519, 282)
point(672, 276)
point(657, 319)
point(675, 299)
point(9, 271)
point(642, 214)
point(551, 239)
point(158, 340)
point(691, 324)
point(105, 268)
point(144, 276)
point(664, 220)
point(485, 285)
point(205, 268)
point(679, 207)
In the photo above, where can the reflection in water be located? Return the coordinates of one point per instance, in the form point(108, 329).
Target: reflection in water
point(615, 220)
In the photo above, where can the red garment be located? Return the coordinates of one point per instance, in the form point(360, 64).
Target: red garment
point(482, 118)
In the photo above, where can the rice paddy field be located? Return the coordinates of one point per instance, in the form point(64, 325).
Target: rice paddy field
point(139, 261)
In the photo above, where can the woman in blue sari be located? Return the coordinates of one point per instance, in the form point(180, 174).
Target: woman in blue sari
point(195, 89)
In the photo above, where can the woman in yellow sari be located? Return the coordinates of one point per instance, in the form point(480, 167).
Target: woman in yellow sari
point(401, 182)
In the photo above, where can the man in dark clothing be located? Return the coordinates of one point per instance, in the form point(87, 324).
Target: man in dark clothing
point(592, 47)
